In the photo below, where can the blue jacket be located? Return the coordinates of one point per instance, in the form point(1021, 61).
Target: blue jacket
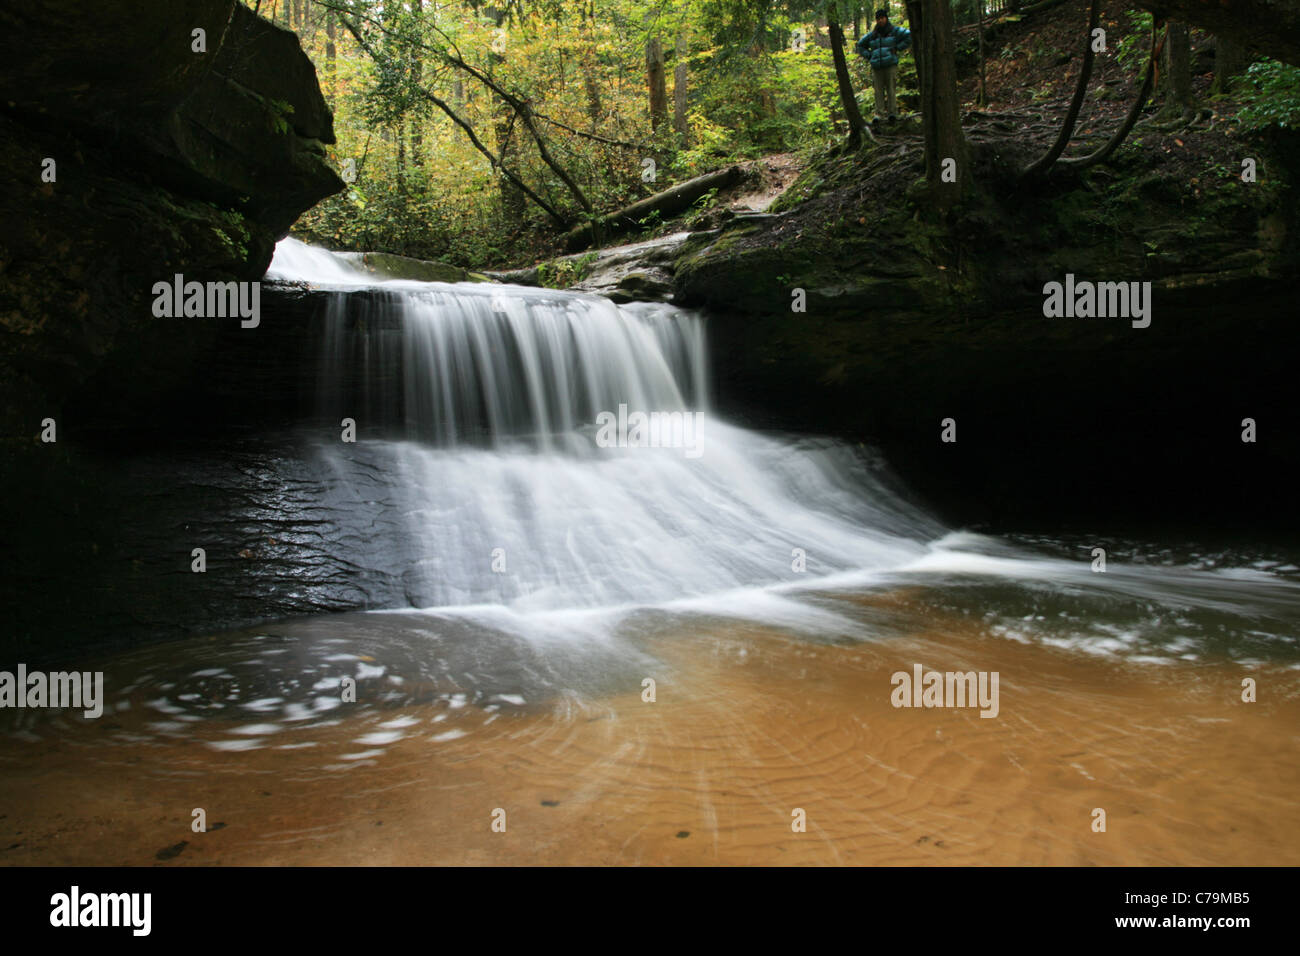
point(881, 50)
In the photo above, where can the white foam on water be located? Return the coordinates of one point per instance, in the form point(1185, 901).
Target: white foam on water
point(500, 391)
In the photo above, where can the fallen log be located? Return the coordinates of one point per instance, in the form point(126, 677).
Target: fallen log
point(668, 203)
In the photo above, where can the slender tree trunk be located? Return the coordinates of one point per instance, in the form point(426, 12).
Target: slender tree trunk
point(512, 197)
point(915, 23)
point(1230, 60)
point(843, 80)
point(946, 151)
point(766, 98)
point(1076, 103)
point(401, 156)
point(1178, 69)
point(594, 109)
point(979, 30)
point(681, 73)
point(654, 71)
point(820, 22)
point(1148, 80)
point(331, 68)
point(591, 72)
point(417, 77)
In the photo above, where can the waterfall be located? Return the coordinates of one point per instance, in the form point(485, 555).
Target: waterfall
point(500, 471)
point(490, 399)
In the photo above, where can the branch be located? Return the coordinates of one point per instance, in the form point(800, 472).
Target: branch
point(559, 220)
point(452, 56)
point(1083, 162)
point(592, 136)
point(1076, 104)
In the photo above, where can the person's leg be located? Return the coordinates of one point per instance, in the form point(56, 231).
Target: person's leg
point(880, 89)
point(891, 90)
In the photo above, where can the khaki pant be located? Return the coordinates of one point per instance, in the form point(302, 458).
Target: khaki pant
point(882, 82)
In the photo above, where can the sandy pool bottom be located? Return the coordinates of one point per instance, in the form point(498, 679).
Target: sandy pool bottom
point(748, 728)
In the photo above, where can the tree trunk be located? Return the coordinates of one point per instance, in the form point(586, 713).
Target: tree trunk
point(946, 152)
point(592, 87)
point(1158, 27)
point(681, 72)
point(1076, 104)
point(983, 99)
point(915, 24)
point(654, 72)
point(668, 203)
point(556, 216)
point(417, 77)
point(401, 156)
point(331, 70)
point(1230, 60)
point(842, 78)
point(1178, 69)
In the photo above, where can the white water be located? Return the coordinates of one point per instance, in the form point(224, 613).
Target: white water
point(476, 407)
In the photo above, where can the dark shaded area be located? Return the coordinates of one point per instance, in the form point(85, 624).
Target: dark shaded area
point(167, 160)
point(1140, 432)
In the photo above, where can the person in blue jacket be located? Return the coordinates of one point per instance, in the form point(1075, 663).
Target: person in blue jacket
point(881, 47)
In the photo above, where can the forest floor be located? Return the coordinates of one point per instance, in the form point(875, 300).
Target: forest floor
point(1031, 68)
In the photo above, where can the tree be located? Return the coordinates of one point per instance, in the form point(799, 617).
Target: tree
point(681, 71)
point(946, 150)
point(1178, 71)
point(331, 67)
point(654, 73)
point(1159, 30)
point(1076, 103)
point(914, 17)
point(847, 98)
point(1230, 61)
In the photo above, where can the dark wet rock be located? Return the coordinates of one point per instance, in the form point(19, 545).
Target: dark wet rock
point(168, 161)
point(908, 321)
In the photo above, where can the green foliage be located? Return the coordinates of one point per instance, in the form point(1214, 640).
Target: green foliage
point(1131, 50)
point(1272, 97)
point(281, 111)
point(423, 188)
point(565, 273)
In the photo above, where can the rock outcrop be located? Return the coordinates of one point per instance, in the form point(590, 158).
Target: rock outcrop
point(853, 311)
point(140, 139)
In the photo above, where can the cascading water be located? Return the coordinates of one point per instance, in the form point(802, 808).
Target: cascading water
point(499, 394)
point(495, 491)
point(509, 540)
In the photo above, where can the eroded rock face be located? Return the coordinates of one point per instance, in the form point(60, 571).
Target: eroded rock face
point(166, 159)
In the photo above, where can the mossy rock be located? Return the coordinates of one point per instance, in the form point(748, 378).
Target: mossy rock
point(390, 266)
